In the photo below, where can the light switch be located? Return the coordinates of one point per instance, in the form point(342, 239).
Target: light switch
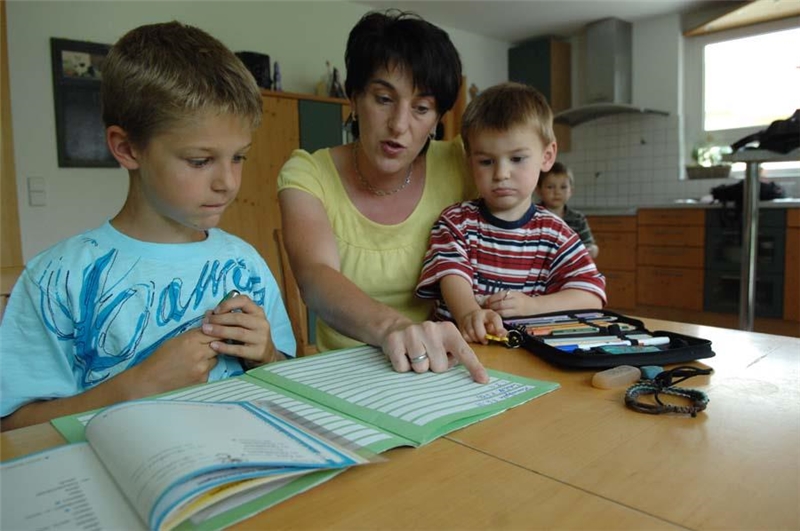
point(37, 195)
point(37, 198)
point(36, 184)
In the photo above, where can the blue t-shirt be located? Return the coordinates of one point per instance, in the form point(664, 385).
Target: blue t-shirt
point(98, 303)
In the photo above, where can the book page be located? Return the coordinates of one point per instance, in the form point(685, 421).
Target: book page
point(151, 447)
point(361, 383)
point(347, 431)
point(63, 488)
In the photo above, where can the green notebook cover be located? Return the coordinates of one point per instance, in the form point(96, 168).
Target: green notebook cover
point(359, 400)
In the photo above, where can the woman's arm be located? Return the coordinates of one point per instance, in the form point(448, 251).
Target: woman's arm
point(312, 250)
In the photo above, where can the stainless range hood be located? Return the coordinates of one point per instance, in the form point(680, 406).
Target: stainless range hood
point(606, 80)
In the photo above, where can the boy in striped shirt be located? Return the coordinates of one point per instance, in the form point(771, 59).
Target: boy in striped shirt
point(502, 256)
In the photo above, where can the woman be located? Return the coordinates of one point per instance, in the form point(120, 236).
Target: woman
point(356, 218)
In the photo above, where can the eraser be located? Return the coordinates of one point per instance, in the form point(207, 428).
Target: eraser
point(616, 377)
point(650, 371)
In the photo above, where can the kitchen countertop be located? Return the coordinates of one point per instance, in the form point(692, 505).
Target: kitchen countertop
point(789, 202)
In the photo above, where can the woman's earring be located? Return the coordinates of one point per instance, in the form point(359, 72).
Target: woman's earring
point(432, 135)
point(353, 117)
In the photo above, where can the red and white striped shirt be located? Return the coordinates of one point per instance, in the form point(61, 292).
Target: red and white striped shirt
point(536, 255)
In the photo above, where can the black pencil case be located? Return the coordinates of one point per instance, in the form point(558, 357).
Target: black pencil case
point(603, 339)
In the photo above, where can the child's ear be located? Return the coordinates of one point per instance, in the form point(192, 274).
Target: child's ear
point(121, 147)
point(549, 158)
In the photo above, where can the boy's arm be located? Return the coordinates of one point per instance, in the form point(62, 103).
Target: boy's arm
point(184, 360)
point(473, 321)
point(118, 389)
point(515, 303)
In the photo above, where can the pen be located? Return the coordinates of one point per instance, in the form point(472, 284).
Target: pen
point(658, 340)
point(512, 340)
point(588, 346)
point(231, 294)
point(558, 341)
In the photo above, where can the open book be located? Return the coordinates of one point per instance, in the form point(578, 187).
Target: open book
point(358, 400)
point(154, 464)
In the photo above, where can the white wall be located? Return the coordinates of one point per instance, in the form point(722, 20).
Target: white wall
point(300, 35)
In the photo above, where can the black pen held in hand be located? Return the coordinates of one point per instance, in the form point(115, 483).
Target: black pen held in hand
point(231, 294)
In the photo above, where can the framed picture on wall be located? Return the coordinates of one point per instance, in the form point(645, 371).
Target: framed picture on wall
point(80, 133)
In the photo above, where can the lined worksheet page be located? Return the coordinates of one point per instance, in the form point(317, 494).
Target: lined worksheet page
point(362, 383)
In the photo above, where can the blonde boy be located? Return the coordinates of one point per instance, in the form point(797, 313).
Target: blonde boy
point(132, 308)
point(502, 256)
point(555, 189)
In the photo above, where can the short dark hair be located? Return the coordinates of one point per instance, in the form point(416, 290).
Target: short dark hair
point(158, 74)
point(558, 168)
point(507, 105)
point(402, 39)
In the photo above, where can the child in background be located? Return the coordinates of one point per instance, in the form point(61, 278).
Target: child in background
point(502, 256)
point(555, 189)
point(132, 308)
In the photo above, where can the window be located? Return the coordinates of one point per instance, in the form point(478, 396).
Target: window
point(767, 87)
point(736, 82)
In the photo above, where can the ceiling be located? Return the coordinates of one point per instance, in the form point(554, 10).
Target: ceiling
point(516, 20)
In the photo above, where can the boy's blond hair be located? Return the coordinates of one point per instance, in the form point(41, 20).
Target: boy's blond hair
point(159, 74)
point(508, 105)
point(558, 168)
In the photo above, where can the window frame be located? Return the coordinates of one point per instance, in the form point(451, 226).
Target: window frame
point(694, 107)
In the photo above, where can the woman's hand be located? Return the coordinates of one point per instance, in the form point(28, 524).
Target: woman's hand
point(434, 346)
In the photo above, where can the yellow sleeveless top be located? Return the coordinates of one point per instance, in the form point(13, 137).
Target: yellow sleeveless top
point(383, 260)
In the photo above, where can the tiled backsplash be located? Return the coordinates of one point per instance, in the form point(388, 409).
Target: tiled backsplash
point(629, 160)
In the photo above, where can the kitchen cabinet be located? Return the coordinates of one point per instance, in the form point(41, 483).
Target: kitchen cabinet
point(791, 278)
point(545, 63)
point(290, 121)
point(724, 262)
point(670, 258)
point(616, 238)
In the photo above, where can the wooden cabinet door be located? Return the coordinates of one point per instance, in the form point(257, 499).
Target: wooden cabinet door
point(670, 287)
point(672, 236)
point(791, 279)
point(255, 214)
point(672, 216)
point(691, 257)
point(617, 251)
point(612, 223)
point(620, 289)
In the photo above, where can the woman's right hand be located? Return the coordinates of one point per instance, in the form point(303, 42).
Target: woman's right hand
point(434, 346)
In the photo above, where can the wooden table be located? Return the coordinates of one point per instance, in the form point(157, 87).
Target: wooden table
point(577, 458)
